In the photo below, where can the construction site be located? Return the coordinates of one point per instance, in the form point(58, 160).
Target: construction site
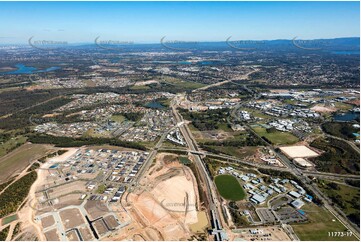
point(165, 204)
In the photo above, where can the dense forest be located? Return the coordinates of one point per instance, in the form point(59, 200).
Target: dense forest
point(209, 120)
point(338, 157)
point(77, 142)
point(15, 194)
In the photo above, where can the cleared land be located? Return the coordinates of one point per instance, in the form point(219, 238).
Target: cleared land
point(298, 151)
point(276, 137)
point(71, 218)
point(165, 204)
point(241, 152)
point(229, 187)
point(17, 160)
point(47, 221)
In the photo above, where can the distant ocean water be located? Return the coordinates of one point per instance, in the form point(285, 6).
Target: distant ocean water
point(22, 69)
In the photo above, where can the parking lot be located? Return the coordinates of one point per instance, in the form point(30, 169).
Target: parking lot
point(290, 215)
point(266, 215)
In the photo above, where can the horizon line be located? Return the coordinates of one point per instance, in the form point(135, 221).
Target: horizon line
point(180, 41)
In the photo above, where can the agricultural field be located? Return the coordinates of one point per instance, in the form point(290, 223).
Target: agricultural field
point(229, 188)
point(321, 223)
point(276, 137)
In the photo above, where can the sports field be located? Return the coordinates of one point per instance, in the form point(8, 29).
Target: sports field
point(229, 188)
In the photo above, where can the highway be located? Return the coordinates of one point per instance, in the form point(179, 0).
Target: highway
point(352, 144)
point(211, 192)
point(150, 158)
point(212, 196)
point(244, 77)
point(303, 176)
point(325, 175)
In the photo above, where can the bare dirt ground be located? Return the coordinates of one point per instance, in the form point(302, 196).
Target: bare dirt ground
point(165, 205)
point(27, 213)
point(65, 156)
point(67, 188)
point(100, 227)
point(95, 209)
point(111, 221)
point(67, 200)
point(52, 235)
point(71, 218)
point(72, 236)
point(143, 83)
point(86, 234)
point(47, 221)
point(323, 109)
point(218, 135)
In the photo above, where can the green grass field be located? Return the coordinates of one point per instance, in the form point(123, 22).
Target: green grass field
point(343, 106)
point(229, 188)
point(180, 83)
point(224, 127)
point(350, 196)
point(9, 219)
point(117, 118)
point(9, 145)
point(321, 222)
point(101, 189)
point(257, 113)
point(277, 137)
point(184, 160)
point(242, 152)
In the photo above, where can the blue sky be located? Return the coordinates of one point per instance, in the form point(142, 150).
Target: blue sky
point(76, 22)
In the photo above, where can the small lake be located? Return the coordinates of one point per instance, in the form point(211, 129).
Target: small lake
point(350, 116)
point(156, 105)
point(23, 69)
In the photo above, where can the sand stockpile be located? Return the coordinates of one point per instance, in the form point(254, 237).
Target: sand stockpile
point(323, 109)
